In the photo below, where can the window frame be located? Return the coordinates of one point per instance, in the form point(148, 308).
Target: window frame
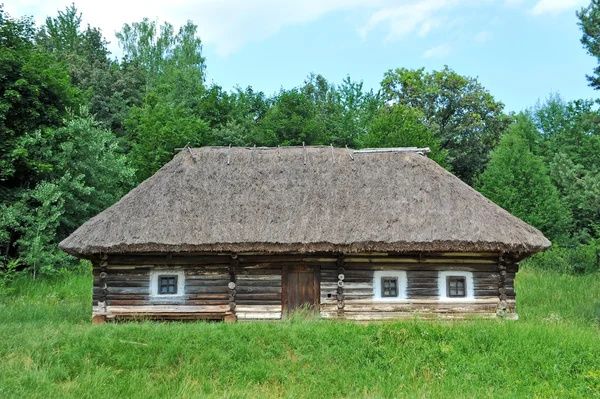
point(396, 287)
point(456, 279)
point(155, 277)
point(175, 284)
point(444, 292)
point(401, 284)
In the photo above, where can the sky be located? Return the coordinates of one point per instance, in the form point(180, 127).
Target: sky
point(520, 50)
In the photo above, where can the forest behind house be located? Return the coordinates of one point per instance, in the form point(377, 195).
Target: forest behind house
point(79, 128)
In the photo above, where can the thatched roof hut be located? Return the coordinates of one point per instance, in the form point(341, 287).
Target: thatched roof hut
point(298, 199)
point(252, 233)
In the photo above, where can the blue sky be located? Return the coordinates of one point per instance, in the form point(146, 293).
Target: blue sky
point(521, 50)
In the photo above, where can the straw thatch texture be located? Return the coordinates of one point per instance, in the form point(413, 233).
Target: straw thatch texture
point(299, 200)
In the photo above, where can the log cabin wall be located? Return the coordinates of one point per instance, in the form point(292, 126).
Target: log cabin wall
point(422, 297)
point(122, 285)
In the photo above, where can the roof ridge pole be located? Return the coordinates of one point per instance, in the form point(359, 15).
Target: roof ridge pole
point(252, 156)
point(278, 152)
point(304, 148)
point(229, 154)
point(332, 155)
point(349, 152)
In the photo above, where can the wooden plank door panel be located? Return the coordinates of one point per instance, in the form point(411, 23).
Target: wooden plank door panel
point(300, 287)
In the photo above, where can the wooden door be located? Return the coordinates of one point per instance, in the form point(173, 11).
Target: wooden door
point(301, 287)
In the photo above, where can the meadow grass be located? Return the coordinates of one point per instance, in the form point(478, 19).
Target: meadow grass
point(49, 349)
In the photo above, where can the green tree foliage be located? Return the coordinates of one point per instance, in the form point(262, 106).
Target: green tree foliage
point(157, 129)
point(234, 117)
point(589, 22)
point(173, 62)
point(292, 120)
point(319, 112)
point(358, 110)
point(518, 180)
point(36, 93)
point(170, 115)
point(458, 109)
point(402, 126)
point(110, 89)
point(569, 140)
point(84, 172)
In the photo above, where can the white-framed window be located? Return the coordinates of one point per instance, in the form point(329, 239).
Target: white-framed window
point(389, 285)
point(455, 286)
point(167, 283)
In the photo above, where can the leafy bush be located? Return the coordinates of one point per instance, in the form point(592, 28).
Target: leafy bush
point(8, 271)
point(581, 259)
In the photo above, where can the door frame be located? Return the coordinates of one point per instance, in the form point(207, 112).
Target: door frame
point(285, 269)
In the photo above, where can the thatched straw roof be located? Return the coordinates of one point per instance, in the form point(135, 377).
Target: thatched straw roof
point(300, 200)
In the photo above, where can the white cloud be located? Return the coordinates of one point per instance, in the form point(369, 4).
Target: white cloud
point(483, 36)
point(440, 51)
point(225, 24)
point(407, 17)
point(555, 6)
point(228, 25)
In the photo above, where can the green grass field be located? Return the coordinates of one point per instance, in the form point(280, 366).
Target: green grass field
point(49, 349)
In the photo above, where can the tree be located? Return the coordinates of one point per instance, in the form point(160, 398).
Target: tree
point(402, 126)
point(569, 140)
point(589, 22)
point(36, 93)
point(458, 109)
point(110, 89)
point(292, 120)
point(173, 63)
point(518, 180)
point(156, 129)
point(84, 172)
point(358, 110)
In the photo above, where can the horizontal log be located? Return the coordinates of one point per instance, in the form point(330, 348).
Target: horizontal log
point(125, 284)
point(207, 277)
point(386, 260)
point(395, 307)
point(399, 315)
point(257, 273)
point(258, 277)
point(433, 301)
point(258, 308)
point(424, 285)
point(211, 289)
point(208, 296)
point(429, 267)
point(167, 308)
point(259, 283)
point(259, 301)
point(351, 297)
point(165, 260)
point(206, 283)
point(244, 289)
point(258, 316)
point(242, 298)
point(128, 290)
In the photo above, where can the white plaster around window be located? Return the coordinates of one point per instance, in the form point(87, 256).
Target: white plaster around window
point(400, 275)
point(154, 274)
point(442, 286)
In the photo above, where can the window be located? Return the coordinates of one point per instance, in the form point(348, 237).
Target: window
point(167, 285)
point(389, 287)
point(456, 286)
